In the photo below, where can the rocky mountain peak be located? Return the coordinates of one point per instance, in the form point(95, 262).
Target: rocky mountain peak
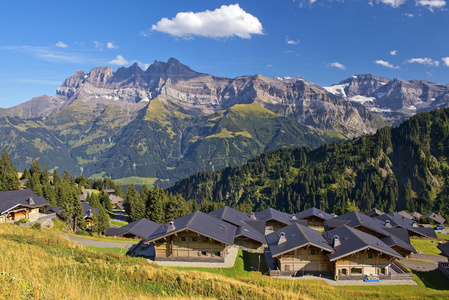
point(100, 75)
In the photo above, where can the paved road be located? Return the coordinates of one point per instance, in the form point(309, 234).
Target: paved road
point(89, 242)
point(427, 263)
point(119, 215)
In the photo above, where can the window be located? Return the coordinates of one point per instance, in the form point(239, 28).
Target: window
point(203, 253)
point(370, 255)
point(343, 271)
point(382, 270)
point(218, 253)
point(312, 252)
point(183, 239)
point(205, 239)
point(194, 239)
point(356, 270)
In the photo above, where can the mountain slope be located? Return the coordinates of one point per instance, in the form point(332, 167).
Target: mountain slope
point(394, 169)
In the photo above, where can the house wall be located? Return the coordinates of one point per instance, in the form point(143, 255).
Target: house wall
point(315, 221)
point(246, 243)
point(33, 214)
point(3, 219)
point(272, 226)
point(363, 263)
point(308, 259)
point(189, 246)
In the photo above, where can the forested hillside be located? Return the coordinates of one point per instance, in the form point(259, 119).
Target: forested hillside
point(396, 168)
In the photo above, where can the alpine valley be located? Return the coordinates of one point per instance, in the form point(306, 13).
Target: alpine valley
point(169, 121)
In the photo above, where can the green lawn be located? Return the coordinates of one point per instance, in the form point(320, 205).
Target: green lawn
point(118, 223)
point(443, 236)
point(426, 246)
point(136, 181)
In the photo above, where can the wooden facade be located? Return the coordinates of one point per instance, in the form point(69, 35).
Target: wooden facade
point(247, 243)
point(304, 260)
point(189, 246)
point(272, 226)
point(363, 263)
point(19, 213)
point(314, 221)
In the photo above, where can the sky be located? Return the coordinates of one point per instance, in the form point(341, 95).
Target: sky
point(324, 41)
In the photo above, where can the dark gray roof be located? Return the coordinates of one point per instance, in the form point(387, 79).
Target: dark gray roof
point(435, 217)
point(142, 228)
point(231, 215)
point(54, 209)
point(357, 219)
point(399, 232)
point(8, 200)
point(259, 225)
point(353, 241)
point(397, 220)
point(251, 233)
point(393, 240)
point(314, 212)
point(444, 248)
point(274, 214)
point(296, 236)
point(88, 210)
point(200, 223)
point(374, 212)
point(406, 214)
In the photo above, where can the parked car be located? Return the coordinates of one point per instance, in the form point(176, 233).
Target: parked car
point(439, 227)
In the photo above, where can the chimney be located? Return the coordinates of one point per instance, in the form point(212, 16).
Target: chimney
point(282, 238)
point(253, 216)
point(414, 224)
point(90, 213)
point(320, 214)
point(171, 226)
point(336, 242)
point(293, 217)
point(30, 201)
point(387, 223)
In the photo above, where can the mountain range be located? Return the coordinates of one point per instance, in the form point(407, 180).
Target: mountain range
point(169, 121)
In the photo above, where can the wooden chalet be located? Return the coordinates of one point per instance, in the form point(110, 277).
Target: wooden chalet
point(140, 229)
point(299, 250)
point(435, 217)
point(195, 237)
point(21, 204)
point(274, 219)
point(314, 216)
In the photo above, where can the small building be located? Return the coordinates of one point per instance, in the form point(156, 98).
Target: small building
point(436, 218)
point(358, 255)
point(406, 215)
point(195, 237)
point(300, 250)
point(314, 216)
point(249, 238)
point(21, 204)
point(88, 212)
point(396, 220)
point(274, 219)
point(140, 229)
point(374, 213)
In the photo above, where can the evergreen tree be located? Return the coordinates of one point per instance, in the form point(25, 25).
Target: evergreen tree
point(9, 179)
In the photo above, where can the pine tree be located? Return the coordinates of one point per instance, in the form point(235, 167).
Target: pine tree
point(9, 179)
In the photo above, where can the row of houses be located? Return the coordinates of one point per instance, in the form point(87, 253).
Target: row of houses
point(352, 245)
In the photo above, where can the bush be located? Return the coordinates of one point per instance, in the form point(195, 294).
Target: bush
point(24, 220)
point(37, 225)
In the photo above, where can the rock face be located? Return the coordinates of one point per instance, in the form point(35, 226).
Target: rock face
point(396, 99)
point(169, 121)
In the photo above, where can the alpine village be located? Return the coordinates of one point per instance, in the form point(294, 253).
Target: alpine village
point(177, 184)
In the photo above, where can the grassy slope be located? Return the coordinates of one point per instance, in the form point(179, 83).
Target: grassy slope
point(426, 246)
point(49, 267)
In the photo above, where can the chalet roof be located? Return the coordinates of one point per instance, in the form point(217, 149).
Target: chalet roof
point(251, 233)
point(406, 214)
point(399, 232)
point(55, 209)
point(374, 212)
point(444, 248)
point(435, 217)
point(24, 198)
point(397, 220)
point(259, 225)
point(314, 212)
point(296, 236)
point(274, 214)
point(231, 215)
point(357, 219)
point(353, 241)
point(88, 210)
point(200, 223)
point(393, 240)
point(142, 228)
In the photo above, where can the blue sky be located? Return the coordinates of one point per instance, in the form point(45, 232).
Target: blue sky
point(44, 42)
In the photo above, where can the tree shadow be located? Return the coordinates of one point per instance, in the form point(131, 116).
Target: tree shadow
point(254, 262)
point(433, 279)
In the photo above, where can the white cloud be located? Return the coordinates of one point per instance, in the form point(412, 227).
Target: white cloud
point(119, 60)
point(143, 66)
point(393, 52)
point(53, 55)
point(225, 21)
point(338, 65)
point(98, 44)
point(292, 42)
point(431, 4)
point(61, 45)
point(111, 45)
point(143, 33)
point(392, 3)
point(408, 15)
point(424, 61)
point(445, 61)
point(386, 64)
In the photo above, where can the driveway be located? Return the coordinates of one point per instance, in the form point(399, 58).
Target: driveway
point(119, 215)
point(423, 262)
point(101, 244)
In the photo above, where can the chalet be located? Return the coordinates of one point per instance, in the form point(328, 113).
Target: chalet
point(357, 254)
point(140, 229)
point(374, 213)
point(314, 216)
point(274, 219)
point(398, 221)
point(88, 212)
point(250, 233)
point(406, 215)
point(359, 221)
point(195, 237)
point(444, 266)
point(300, 250)
point(434, 217)
point(16, 205)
